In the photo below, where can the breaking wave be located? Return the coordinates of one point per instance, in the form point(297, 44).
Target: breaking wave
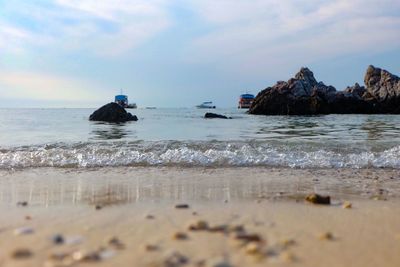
point(196, 153)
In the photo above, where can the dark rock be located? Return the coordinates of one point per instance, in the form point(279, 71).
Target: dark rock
point(22, 203)
point(318, 199)
point(112, 112)
point(292, 97)
point(181, 206)
point(58, 239)
point(210, 115)
point(384, 88)
point(303, 95)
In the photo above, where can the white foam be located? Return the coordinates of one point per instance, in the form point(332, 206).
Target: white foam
point(196, 154)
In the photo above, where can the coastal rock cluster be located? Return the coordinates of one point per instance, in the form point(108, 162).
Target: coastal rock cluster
point(112, 112)
point(304, 95)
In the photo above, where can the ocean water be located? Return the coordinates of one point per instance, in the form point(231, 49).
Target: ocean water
point(65, 138)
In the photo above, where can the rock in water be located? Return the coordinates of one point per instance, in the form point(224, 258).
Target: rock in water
point(303, 95)
point(383, 87)
point(210, 115)
point(112, 112)
point(292, 97)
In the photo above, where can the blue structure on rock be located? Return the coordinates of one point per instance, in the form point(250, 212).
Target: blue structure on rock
point(122, 100)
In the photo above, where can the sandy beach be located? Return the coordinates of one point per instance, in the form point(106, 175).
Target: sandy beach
point(235, 216)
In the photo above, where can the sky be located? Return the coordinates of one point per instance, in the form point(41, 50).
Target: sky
point(179, 53)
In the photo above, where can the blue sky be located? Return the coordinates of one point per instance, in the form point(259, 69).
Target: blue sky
point(177, 53)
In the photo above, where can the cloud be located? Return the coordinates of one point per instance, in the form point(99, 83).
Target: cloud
point(105, 28)
point(42, 86)
point(264, 35)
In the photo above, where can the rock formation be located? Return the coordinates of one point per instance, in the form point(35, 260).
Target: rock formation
point(112, 112)
point(303, 95)
point(209, 115)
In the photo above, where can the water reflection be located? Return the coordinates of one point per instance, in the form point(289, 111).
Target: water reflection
point(110, 131)
point(378, 129)
point(289, 127)
point(106, 188)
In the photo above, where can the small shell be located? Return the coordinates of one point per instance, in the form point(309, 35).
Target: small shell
point(23, 231)
point(347, 205)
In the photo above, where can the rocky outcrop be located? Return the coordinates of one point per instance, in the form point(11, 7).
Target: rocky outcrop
point(210, 115)
point(112, 112)
point(384, 88)
point(303, 95)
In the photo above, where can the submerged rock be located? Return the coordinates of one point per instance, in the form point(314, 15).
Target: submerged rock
point(210, 115)
point(112, 112)
point(303, 95)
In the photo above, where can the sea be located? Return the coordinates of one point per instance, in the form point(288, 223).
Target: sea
point(65, 138)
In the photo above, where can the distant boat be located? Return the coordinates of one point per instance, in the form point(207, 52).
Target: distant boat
point(245, 100)
point(122, 100)
point(207, 104)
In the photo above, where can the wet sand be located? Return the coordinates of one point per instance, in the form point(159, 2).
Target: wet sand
point(245, 216)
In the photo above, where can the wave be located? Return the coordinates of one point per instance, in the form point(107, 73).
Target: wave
point(197, 153)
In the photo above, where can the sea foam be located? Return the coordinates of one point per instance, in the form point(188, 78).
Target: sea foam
point(197, 153)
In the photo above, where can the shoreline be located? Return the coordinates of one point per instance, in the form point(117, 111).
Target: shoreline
point(136, 206)
point(44, 186)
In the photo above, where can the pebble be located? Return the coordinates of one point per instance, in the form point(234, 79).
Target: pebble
point(116, 243)
point(347, 205)
point(150, 217)
point(248, 237)
point(221, 263)
point(93, 256)
point(23, 231)
point(219, 228)
point(253, 248)
point(182, 206)
point(58, 256)
point(326, 236)
point(22, 203)
point(175, 259)
point(98, 207)
point(318, 199)
point(21, 253)
point(28, 218)
point(180, 236)
point(58, 239)
point(151, 247)
point(199, 225)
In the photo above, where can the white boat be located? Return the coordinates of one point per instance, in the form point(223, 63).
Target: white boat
point(207, 104)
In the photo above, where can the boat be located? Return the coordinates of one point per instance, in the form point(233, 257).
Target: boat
point(245, 100)
point(207, 104)
point(122, 100)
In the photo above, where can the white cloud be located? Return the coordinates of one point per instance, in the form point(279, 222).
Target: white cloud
point(106, 28)
point(263, 35)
